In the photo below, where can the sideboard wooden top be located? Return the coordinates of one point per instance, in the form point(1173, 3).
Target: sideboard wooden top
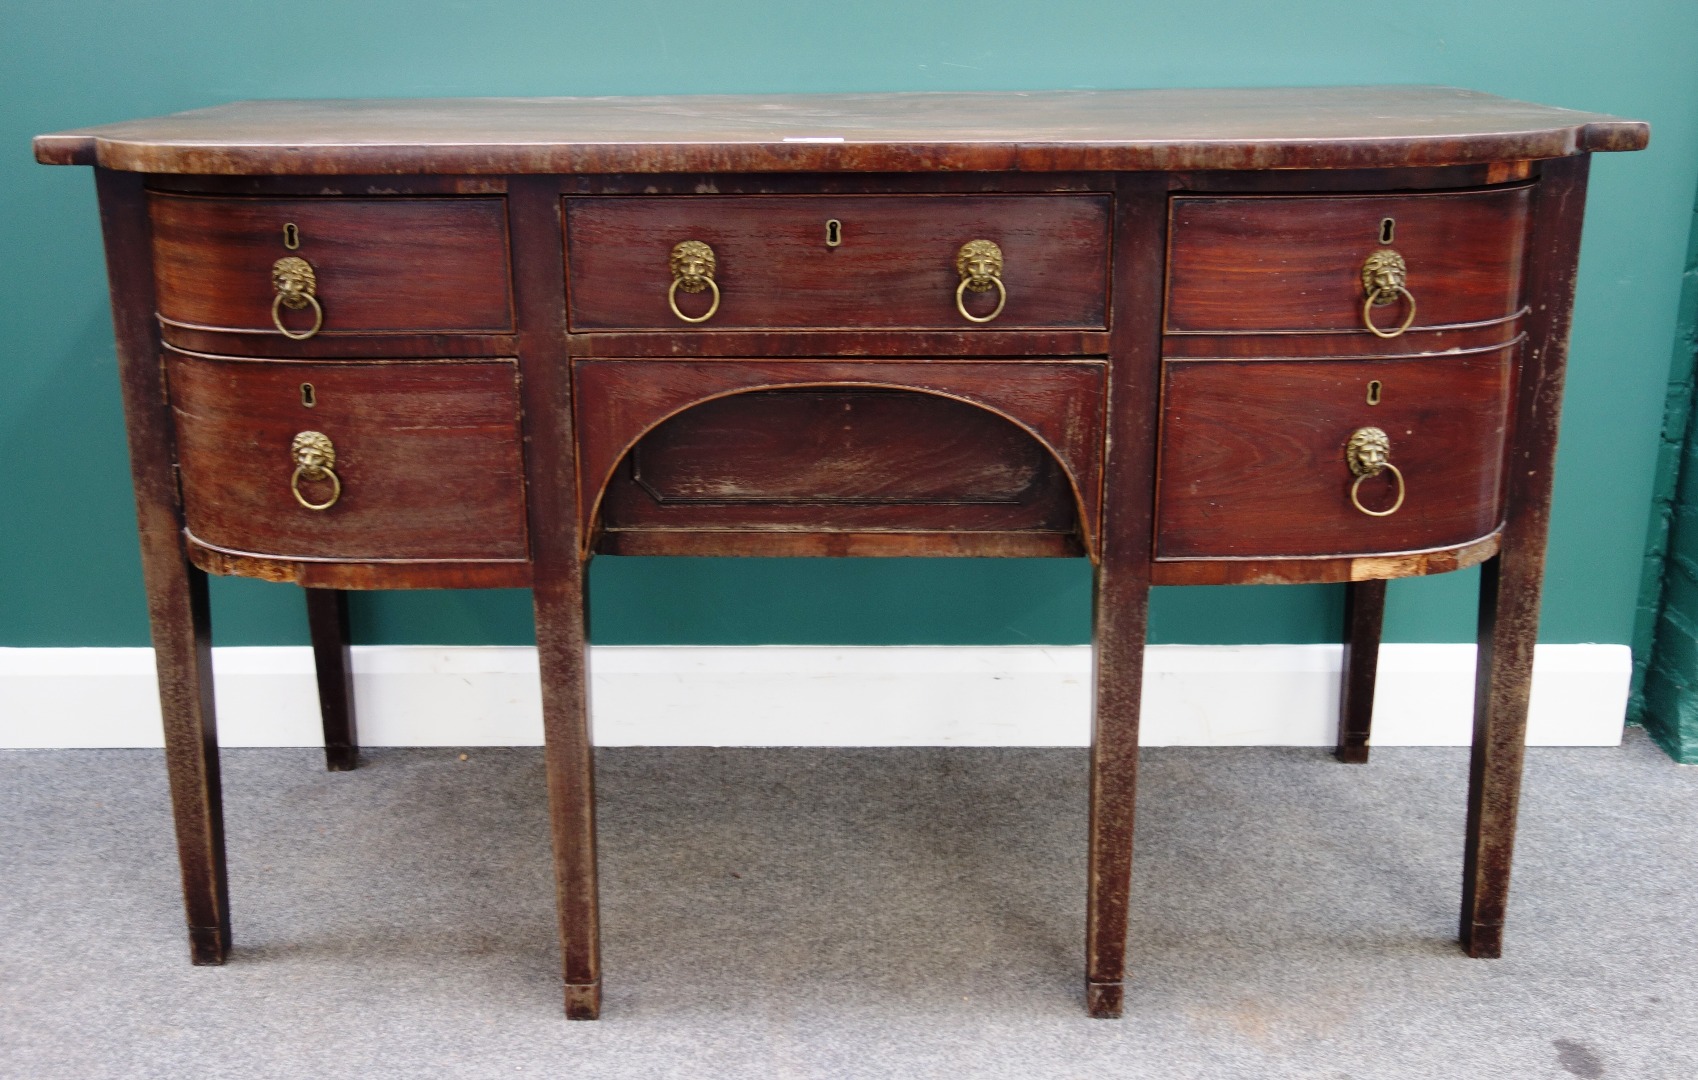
point(1047, 131)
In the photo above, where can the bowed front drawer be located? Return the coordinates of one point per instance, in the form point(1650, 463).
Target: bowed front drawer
point(1256, 456)
point(416, 460)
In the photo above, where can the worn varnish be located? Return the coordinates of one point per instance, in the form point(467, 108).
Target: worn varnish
point(1169, 391)
point(427, 455)
point(382, 265)
point(1253, 455)
point(793, 462)
point(1059, 404)
point(893, 266)
point(1337, 127)
point(1265, 263)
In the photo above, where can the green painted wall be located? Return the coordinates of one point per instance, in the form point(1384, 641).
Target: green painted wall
point(1665, 644)
point(68, 568)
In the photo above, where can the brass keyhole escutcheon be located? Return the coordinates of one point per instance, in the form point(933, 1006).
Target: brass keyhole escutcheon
point(296, 284)
point(309, 396)
point(833, 233)
point(979, 262)
point(693, 264)
point(314, 456)
point(1374, 392)
point(291, 236)
point(1388, 230)
point(1368, 453)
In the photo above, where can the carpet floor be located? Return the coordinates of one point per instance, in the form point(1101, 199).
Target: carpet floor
point(850, 913)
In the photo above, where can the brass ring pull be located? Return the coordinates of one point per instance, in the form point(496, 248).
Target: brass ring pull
point(1356, 501)
point(295, 282)
point(693, 264)
point(315, 459)
point(979, 262)
point(1368, 453)
point(672, 300)
point(1382, 298)
point(961, 306)
point(1384, 279)
point(335, 487)
point(282, 301)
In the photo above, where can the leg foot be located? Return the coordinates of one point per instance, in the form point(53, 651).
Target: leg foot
point(1483, 942)
point(1104, 1000)
point(208, 945)
point(583, 1001)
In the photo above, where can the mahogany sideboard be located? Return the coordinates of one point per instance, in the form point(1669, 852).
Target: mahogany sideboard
point(1245, 336)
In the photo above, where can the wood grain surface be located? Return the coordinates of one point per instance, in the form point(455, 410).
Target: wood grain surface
point(428, 456)
point(1061, 403)
point(1038, 131)
point(402, 265)
point(894, 266)
point(1252, 454)
point(832, 461)
point(1272, 263)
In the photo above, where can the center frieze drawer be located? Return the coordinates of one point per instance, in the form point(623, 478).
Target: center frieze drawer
point(332, 265)
point(351, 460)
point(826, 262)
point(1277, 458)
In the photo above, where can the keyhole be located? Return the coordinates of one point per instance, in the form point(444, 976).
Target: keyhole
point(1374, 392)
point(291, 236)
point(1388, 227)
point(833, 233)
point(309, 397)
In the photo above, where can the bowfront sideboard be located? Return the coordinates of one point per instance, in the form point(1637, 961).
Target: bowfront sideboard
point(1197, 337)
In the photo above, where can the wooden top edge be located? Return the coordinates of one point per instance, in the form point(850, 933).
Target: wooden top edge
point(1042, 131)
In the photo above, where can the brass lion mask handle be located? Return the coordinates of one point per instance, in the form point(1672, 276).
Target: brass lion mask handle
point(295, 282)
point(1368, 453)
point(979, 262)
point(314, 456)
point(1384, 279)
point(693, 264)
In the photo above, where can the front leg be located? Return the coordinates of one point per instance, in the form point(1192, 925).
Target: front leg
point(1122, 605)
point(178, 609)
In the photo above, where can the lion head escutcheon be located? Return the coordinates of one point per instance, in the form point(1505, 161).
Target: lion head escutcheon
point(314, 456)
point(693, 264)
point(1368, 453)
point(1385, 277)
point(297, 288)
point(979, 263)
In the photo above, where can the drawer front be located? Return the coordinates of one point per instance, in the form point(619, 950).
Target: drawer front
point(1253, 263)
point(894, 265)
point(389, 265)
point(1254, 455)
point(426, 457)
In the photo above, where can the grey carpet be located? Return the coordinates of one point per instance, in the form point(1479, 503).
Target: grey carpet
point(850, 913)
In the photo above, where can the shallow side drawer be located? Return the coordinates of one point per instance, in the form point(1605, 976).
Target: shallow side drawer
point(382, 265)
point(1268, 264)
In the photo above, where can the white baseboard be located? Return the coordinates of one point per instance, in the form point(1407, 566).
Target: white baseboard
point(1195, 695)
